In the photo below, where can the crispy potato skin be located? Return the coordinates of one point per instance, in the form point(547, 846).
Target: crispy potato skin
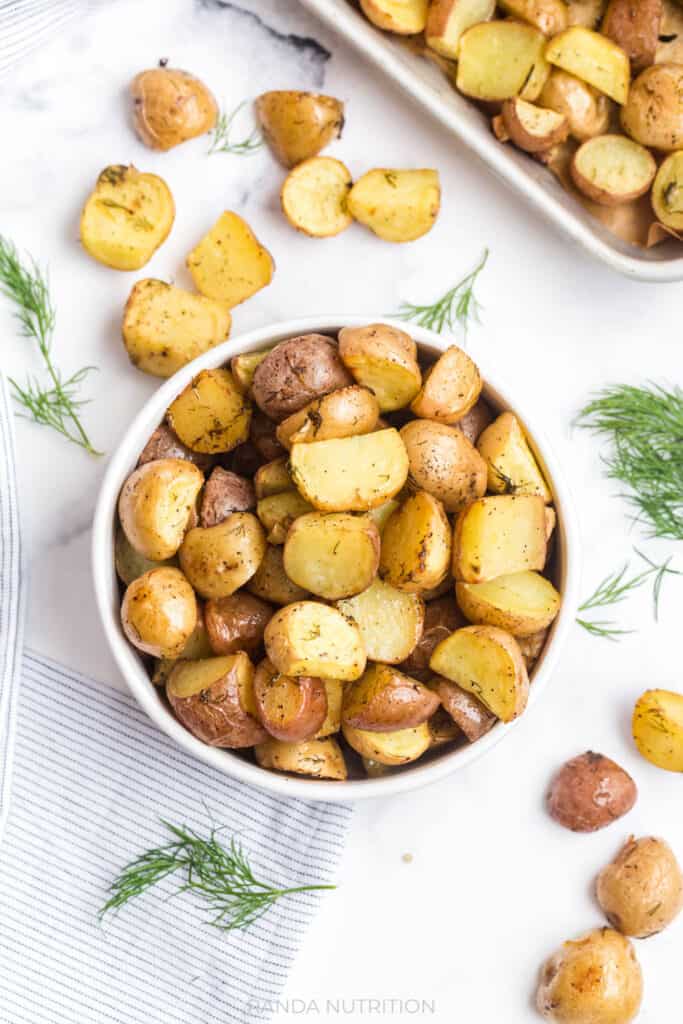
point(589, 792)
point(156, 506)
point(384, 700)
point(220, 559)
point(441, 618)
point(416, 545)
point(164, 444)
point(270, 581)
point(658, 728)
point(214, 700)
point(449, 389)
point(586, 109)
point(290, 709)
point(318, 758)
point(343, 413)
point(653, 112)
point(224, 493)
point(171, 106)
point(210, 415)
point(443, 729)
point(236, 623)
point(159, 612)
point(641, 890)
point(444, 463)
point(468, 713)
point(295, 372)
point(298, 125)
point(634, 26)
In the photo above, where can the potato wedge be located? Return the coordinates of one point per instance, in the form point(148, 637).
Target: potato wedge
point(210, 415)
point(523, 603)
point(500, 59)
point(314, 197)
point(296, 372)
point(278, 511)
point(593, 58)
point(658, 728)
point(129, 563)
point(308, 638)
point(398, 205)
point(350, 474)
point(156, 504)
point(612, 169)
point(653, 112)
point(634, 26)
point(587, 110)
point(534, 129)
point(236, 623)
point(224, 493)
point(214, 700)
point(220, 559)
point(389, 620)
point(404, 17)
point(384, 700)
point(448, 19)
point(450, 388)
point(270, 581)
point(159, 612)
point(667, 192)
point(333, 555)
point(171, 106)
point(512, 466)
point(272, 478)
point(318, 758)
point(334, 691)
point(498, 536)
point(389, 748)
point(444, 463)
point(343, 413)
point(126, 218)
point(243, 368)
point(488, 663)
point(289, 709)
point(468, 713)
point(441, 618)
point(384, 359)
point(416, 545)
point(297, 125)
point(548, 16)
point(229, 264)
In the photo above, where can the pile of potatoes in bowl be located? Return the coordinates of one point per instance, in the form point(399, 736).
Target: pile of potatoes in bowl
point(335, 555)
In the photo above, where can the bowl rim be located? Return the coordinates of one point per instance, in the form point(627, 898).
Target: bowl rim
point(123, 460)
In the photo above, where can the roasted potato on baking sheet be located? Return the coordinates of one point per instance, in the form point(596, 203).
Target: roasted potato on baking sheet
point(308, 638)
point(278, 511)
point(398, 205)
point(499, 535)
point(214, 699)
point(450, 388)
point(587, 110)
point(389, 620)
point(318, 758)
point(444, 463)
point(612, 169)
point(523, 603)
point(653, 112)
point(641, 890)
point(236, 623)
point(225, 492)
point(534, 129)
point(634, 26)
point(404, 17)
point(171, 106)
point(210, 415)
point(290, 709)
point(448, 19)
point(333, 555)
point(384, 700)
point(658, 728)
point(548, 16)
point(384, 359)
point(593, 58)
point(667, 192)
point(343, 413)
point(156, 504)
point(314, 197)
point(500, 59)
point(159, 612)
point(389, 748)
point(229, 264)
point(270, 581)
point(298, 125)
point(469, 714)
point(512, 466)
point(416, 544)
point(220, 559)
point(295, 372)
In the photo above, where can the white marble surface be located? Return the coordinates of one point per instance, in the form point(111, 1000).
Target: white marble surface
point(493, 885)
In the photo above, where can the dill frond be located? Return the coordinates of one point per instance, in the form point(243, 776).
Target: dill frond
point(221, 136)
point(458, 306)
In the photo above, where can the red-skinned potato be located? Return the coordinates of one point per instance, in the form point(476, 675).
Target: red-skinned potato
point(236, 623)
point(262, 436)
point(295, 372)
point(612, 169)
point(589, 792)
point(163, 444)
point(214, 700)
point(444, 463)
point(468, 713)
point(224, 493)
point(384, 700)
point(634, 26)
point(442, 617)
point(290, 709)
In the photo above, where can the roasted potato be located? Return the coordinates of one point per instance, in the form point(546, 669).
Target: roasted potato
point(499, 535)
point(523, 603)
point(156, 505)
point(298, 125)
point(416, 544)
point(171, 106)
point(634, 26)
point(126, 218)
point(468, 713)
point(289, 709)
point(270, 581)
point(308, 638)
point(612, 169)
point(332, 555)
point(295, 372)
point(381, 513)
point(384, 359)
point(590, 792)
point(442, 729)
point(245, 459)
point(474, 422)
point(243, 368)
point(389, 620)
point(444, 463)
point(272, 478)
point(595, 979)
point(587, 110)
point(487, 662)
point(448, 19)
point(404, 17)
point(314, 197)
point(512, 466)
point(343, 413)
point(129, 563)
point(236, 623)
point(159, 612)
point(224, 493)
point(214, 699)
point(667, 192)
point(398, 205)
point(658, 728)
point(384, 700)
point(593, 58)
point(653, 112)
point(229, 264)
point(319, 758)
point(441, 618)
point(450, 388)
point(210, 415)
point(548, 16)
point(532, 647)
point(586, 12)
point(163, 444)
point(350, 474)
point(278, 511)
point(218, 560)
point(500, 59)
point(641, 890)
point(533, 128)
point(390, 748)
point(334, 691)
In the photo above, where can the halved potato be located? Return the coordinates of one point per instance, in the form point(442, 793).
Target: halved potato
point(384, 700)
point(389, 748)
point(523, 603)
point(332, 555)
point(272, 478)
point(534, 129)
point(210, 415)
point(468, 713)
point(635, 28)
point(658, 728)
point(156, 505)
point(612, 169)
point(171, 106)
point(289, 709)
point(499, 535)
point(297, 125)
point(397, 205)
point(416, 545)
point(314, 197)
point(318, 758)
point(243, 368)
point(384, 359)
point(500, 59)
point(448, 19)
point(512, 467)
point(343, 413)
point(278, 511)
point(450, 387)
point(667, 192)
point(159, 612)
point(404, 17)
point(593, 58)
point(488, 663)
point(548, 16)
point(389, 620)
point(587, 110)
point(229, 264)
point(270, 581)
point(653, 113)
point(444, 463)
point(334, 691)
point(214, 700)
point(126, 217)
point(312, 639)
point(218, 560)
point(350, 474)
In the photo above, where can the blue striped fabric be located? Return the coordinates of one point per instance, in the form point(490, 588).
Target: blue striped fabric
point(25, 24)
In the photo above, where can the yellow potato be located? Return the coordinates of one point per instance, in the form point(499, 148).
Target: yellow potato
point(523, 603)
point(171, 106)
point(533, 128)
point(126, 218)
point(218, 560)
point(641, 890)
point(312, 639)
point(548, 16)
point(272, 478)
point(586, 12)
point(333, 555)
point(156, 504)
point(314, 197)
point(500, 535)
point(587, 110)
point(230, 264)
point(658, 728)
point(384, 359)
point(334, 691)
point(278, 511)
point(397, 205)
point(350, 474)
point(211, 415)
point(390, 748)
point(318, 758)
point(343, 413)
point(390, 621)
point(488, 663)
point(165, 327)
point(271, 583)
point(214, 699)
point(297, 125)
point(159, 612)
point(404, 17)
point(130, 563)
point(243, 368)
point(444, 463)
point(500, 59)
point(667, 192)
point(612, 170)
point(512, 467)
point(450, 388)
point(380, 515)
point(416, 545)
point(593, 58)
point(448, 19)
point(653, 113)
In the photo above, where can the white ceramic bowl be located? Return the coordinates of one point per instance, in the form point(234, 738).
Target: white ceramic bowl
point(131, 665)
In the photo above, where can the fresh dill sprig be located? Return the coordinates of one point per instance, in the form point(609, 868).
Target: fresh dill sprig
point(645, 426)
point(221, 141)
point(55, 405)
point(659, 571)
point(458, 306)
point(616, 587)
point(221, 876)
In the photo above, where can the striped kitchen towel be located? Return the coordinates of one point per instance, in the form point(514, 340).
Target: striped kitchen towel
point(26, 24)
point(92, 778)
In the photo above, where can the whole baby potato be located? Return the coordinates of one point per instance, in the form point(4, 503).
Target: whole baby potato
point(653, 112)
point(156, 505)
point(218, 560)
point(236, 623)
point(641, 890)
point(590, 792)
point(444, 463)
point(171, 106)
point(290, 708)
point(298, 125)
point(214, 700)
point(586, 109)
point(159, 612)
point(295, 372)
